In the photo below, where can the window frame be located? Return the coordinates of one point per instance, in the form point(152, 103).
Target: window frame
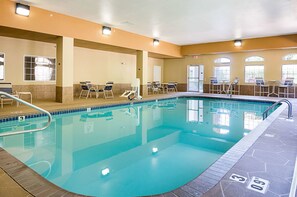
point(245, 81)
point(286, 62)
point(294, 54)
point(218, 64)
point(3, 66)
point(253, 63)
point(35, 81)
point(220, 58)
point(246, 59)
point(282, 74)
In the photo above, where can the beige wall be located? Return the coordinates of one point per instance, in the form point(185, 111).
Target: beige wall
point(176, 69)
point(101, 66)
point(15, 50)
point(94, 65)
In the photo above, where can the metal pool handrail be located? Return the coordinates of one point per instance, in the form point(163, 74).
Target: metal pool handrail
point(29, 105)
point(290, 108)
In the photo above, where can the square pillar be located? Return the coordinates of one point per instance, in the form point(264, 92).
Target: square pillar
point(142, 69)
point(64, 78)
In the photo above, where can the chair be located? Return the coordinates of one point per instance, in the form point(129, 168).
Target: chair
point(171, 87)
point(87, 89)
point(156, 87)
point(214, 86)
point(285, 88)
point(260, 87)
point(107, 90)
point(149, 88)
point(175, 84)
point(6, 87)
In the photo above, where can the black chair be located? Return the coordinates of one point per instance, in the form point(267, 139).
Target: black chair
point(171, 87)
point(87, 89)
point(107, 90)
point(260, 87)
point(149, 88)
point(175, 84)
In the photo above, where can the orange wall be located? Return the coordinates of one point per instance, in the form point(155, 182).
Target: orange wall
point(44, 21)
point(276, 42)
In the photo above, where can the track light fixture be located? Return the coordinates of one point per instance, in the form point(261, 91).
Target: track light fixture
point(22, 9)
point(106, 30)
point(237, 43)
point(156, 42)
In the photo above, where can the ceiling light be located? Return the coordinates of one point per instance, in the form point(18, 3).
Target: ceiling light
point(155, 150)
point(22, 9)
point(237, 43)
point(106, 30)
point(156, 42)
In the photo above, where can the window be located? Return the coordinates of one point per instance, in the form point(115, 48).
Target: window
point(254, 68)
point(40, 68)
point(193, 78)
point(292, 56)
point(222, 73)
point(1, 66)
point(254, 59)
point(251, 72)
point(289, 69)
point(222, 69)
point(223, 60)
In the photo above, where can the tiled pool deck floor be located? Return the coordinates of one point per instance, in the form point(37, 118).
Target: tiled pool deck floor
point(271, 157)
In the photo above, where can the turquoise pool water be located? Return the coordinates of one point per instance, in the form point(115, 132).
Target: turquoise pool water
point(145, 149)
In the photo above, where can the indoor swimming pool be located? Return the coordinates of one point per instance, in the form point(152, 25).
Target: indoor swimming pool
point(134, 149)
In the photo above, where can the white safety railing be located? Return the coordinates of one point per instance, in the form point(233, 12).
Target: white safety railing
point(29, 105)
point(290, 108)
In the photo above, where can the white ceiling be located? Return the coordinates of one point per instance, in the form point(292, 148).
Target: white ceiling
point(184, 22)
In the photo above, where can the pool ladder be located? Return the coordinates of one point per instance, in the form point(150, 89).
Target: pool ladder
point(230, 87)
point(290, 108)
point(29, 105)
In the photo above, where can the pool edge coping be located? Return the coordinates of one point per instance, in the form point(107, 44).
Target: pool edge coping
point(35, 114)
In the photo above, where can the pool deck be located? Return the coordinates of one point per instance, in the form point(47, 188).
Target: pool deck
point(268, 152)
